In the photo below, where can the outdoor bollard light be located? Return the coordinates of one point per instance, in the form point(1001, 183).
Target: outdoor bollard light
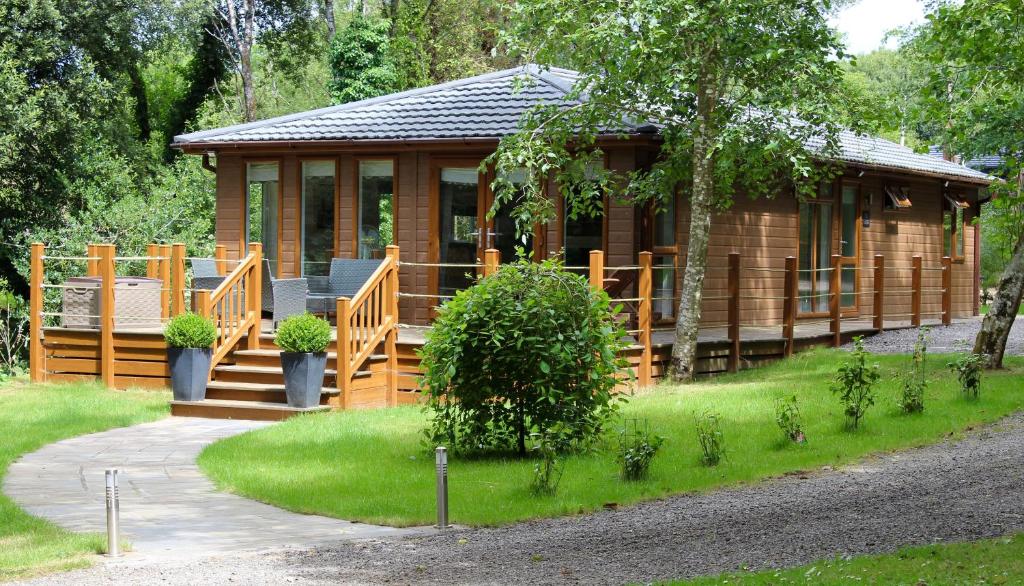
point(113, 515)
point(441, 458)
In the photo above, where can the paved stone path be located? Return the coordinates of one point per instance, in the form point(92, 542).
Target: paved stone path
point(169, 509)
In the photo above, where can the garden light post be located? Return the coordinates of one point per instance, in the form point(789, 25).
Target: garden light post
point(113, 515)
point(441, 460)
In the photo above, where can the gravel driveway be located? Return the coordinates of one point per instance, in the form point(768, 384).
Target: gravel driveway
point(964, 490)
point(956, 337)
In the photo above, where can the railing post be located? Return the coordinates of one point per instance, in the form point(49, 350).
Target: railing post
point(915, 294)
point(254, 297)
point(344, 352)
point(107, 276)
point(835, 286)
point(492, 258)
point(153, 263)
point(789, 309)
point(37, 372)
point(644, 371)
point(178, 279)
point(391, 339)
point(734, 312)
point(947, 290)
point(92, 265)
point(597, 269)
point(879, 287)
point(165, 278)
point(220, 254)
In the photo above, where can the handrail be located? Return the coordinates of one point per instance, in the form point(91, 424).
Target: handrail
point(234, 305)
point(366, 320)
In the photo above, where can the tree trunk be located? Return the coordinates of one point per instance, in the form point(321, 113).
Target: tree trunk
point(329, 18)
point(684, 349)
point(995, 329)
point(245, 62)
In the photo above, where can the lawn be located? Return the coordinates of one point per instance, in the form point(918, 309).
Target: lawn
point(370, 466)
point(32, 416)
point(992, 561)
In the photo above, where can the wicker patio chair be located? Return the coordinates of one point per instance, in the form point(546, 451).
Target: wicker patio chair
point(346, 277)
point(283, 297)
point(205, 274)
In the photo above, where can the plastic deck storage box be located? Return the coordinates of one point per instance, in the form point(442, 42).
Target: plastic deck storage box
point(136, 302)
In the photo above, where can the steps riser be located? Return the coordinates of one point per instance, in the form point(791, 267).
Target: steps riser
point(247, 395)
point(232, 412)
point(266, 378)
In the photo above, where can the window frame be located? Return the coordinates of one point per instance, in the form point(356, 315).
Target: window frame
point(356, 160)
point(958, 232)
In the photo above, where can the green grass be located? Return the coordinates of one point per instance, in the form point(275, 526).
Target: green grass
point(983, 310)
point(370, 466)
point(992, 561)
point(32, 416)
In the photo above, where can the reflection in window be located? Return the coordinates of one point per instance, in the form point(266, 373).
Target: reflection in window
point(505, 237)
point(376, 207)
point(582, 233)
point(317, 216)
point(459, 213)
point(664, 278)
point(815, 251)
point(262, 211)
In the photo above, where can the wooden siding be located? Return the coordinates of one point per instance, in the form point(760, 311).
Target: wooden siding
point(763, 231)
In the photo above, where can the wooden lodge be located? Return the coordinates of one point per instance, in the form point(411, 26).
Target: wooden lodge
point(892, 242)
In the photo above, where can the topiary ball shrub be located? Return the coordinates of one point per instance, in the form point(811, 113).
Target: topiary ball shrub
point(304, 333)
point(530, 349)
point(190, 330)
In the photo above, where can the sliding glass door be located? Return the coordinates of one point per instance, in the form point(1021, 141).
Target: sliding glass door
point(375, 208)
point(459, 222)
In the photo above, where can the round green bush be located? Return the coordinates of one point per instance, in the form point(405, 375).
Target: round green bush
point(532, 349)
point(190, 330)
point(303, 333)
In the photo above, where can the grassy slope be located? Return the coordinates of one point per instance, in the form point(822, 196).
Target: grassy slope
point(994, 561)
point(370, 466)
point(32, 416)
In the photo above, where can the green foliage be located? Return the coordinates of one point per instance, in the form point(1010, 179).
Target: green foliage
point(654, 61)
point(710, 437)
point(190, 330)
point(13, 333)
point(303, 333)
point(914, 381)
point(787, 416)
point(361, 66)
point(968, 369)
point(528, 348)
point(547, 472)
point(637, 449)
point(854, 383)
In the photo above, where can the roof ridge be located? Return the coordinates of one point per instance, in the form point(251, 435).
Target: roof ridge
point(529, 68)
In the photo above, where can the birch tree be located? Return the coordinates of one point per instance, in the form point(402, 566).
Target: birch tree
point(977, 84)
point(736, 91)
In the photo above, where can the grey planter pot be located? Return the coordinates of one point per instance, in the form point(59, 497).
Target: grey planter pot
point(190, 371)
point(303, 377)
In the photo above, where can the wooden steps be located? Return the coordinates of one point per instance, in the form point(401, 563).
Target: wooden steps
point(261, 393)
point(252, 410)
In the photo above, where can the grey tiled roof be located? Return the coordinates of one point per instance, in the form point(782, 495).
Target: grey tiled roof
point(484, 106)
point(878, 152)
point(487, 106)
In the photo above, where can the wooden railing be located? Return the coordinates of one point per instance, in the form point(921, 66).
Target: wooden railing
point(234, 306)
point(365, 321)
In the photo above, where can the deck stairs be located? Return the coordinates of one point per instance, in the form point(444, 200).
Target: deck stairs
point(247, 381)
point(250, 385)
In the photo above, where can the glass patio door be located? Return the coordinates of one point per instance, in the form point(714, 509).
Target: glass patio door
point(849, 245)
point(502, 233)
point(461, 215)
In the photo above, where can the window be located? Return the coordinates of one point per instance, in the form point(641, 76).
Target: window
point(953, 216)
point(581, 234)
point(376, 208)
point(815, 251)
point(459, 227)
point(317, 216)
point(263, 208)
point(504, 235)
point(896, 198)
point(666, 257)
